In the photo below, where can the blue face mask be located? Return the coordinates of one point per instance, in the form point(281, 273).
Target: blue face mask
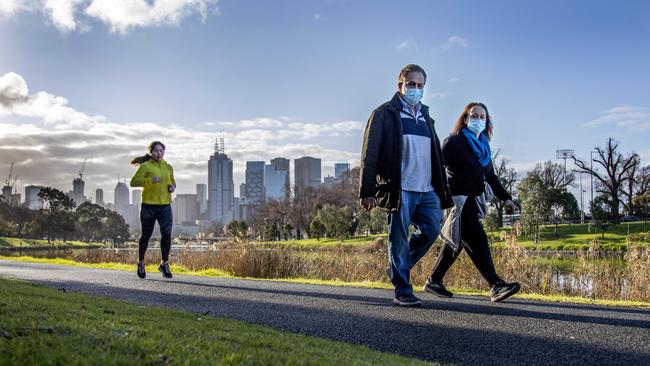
point(476, 126)
point(413, 96)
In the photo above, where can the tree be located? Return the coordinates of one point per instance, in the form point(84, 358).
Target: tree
point(237, 230)
point(316, 228)
point(89, 218)
point(544, 197)
point(115, 228)
point(641, 192)
point(601, 213)
point(617, 172)
point(56, 218)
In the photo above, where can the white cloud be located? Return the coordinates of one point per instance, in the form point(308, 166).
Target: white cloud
point(319, 17)
point(49, 139)
point(455, 41)
point(631, 118)
point(120, 15)
point(9, 8)
point(62, 13)
point(453, 80)
point(407, 45)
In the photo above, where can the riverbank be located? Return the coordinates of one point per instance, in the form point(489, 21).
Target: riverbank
point(178, 269)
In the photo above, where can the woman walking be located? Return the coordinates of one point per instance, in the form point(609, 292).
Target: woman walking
point(471, 175)
point(157, 179)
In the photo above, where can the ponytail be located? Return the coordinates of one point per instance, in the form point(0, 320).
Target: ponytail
point(141, 159)
point(146, 157)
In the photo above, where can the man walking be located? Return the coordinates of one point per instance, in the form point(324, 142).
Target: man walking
point(402, 171)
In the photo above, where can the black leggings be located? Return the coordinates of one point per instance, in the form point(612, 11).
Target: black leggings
point(149, 214)
point(475, 242)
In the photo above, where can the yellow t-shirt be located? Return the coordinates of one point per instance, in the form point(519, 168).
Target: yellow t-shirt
point(154, 193)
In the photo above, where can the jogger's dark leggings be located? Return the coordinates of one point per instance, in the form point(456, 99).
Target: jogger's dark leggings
point(474, 241)
point(149, 214)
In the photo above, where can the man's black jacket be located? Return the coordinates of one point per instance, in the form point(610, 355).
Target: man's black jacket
point(465, 172)
point(381, 158)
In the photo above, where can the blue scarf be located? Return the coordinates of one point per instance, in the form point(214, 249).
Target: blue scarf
point(480, 146)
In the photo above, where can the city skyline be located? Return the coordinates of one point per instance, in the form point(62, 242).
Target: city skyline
point(78, 82)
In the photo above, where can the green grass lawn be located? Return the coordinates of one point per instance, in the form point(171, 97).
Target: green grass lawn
point(577, 236)
point(325, 242)
point(20, 242)
point(43, 326)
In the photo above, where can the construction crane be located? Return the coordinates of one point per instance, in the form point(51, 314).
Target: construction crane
point(15, 186)
point(81, 172)
point(11, 170)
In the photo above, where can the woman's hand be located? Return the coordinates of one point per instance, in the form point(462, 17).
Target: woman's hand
point(171, 188)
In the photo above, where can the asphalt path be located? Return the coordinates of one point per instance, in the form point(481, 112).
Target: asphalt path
point(466, 330)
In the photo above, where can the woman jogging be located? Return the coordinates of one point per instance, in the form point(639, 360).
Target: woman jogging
point(471, 175)
point(157, 179)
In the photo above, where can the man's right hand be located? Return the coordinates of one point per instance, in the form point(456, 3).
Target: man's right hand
point(368, 203)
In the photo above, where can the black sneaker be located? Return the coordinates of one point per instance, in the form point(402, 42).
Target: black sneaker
point(407, 300)
point(437, 289)
point(502, 291)
point(142, 273)
point(164, 269)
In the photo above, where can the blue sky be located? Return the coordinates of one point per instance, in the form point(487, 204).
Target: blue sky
point(291, 78)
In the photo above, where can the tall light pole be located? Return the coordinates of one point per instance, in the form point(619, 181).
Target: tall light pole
point(582, 204)
point(591, 166)
point(564, 154)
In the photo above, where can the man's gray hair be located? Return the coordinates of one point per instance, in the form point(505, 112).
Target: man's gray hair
point(411, 68)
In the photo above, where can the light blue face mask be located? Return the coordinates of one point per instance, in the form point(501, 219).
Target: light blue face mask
point(476, 126)
point(413, 96)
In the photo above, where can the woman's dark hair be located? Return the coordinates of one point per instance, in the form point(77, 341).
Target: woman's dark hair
point(146, 157)
point(460, 124)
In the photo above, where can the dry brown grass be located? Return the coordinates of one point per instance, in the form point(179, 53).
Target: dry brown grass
point(591, 276)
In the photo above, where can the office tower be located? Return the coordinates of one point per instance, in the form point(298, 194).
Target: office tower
point(221, 187)
point(275, 182)
point(99, 197)
point(186, 209)
point(255, 183)
point(340, 169)
point(32, 201)
point(136, 197)
point(78, 191)
point(202, 198)
point(307, 172)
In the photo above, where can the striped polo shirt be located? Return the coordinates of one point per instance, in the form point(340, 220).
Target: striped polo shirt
point(416, 152)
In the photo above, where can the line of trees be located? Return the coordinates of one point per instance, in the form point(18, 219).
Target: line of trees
point(61, 218)
point(326, 211)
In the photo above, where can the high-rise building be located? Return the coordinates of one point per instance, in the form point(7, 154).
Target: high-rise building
point(99, 197)
point(307, 172)
point(202, 198)
point(329, 180)
point(121, 197)
point(275, 182)
point(221, 187)
point(186, 209)
point(255, 183)
point(242, 190)
point(32, 201)
point(136, 197)
point(283, 164)
point(340, 169)
point(78, 191)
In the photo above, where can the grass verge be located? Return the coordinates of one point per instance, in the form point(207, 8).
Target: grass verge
point(34, 330)
point(25, 243)
point(366, 284)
